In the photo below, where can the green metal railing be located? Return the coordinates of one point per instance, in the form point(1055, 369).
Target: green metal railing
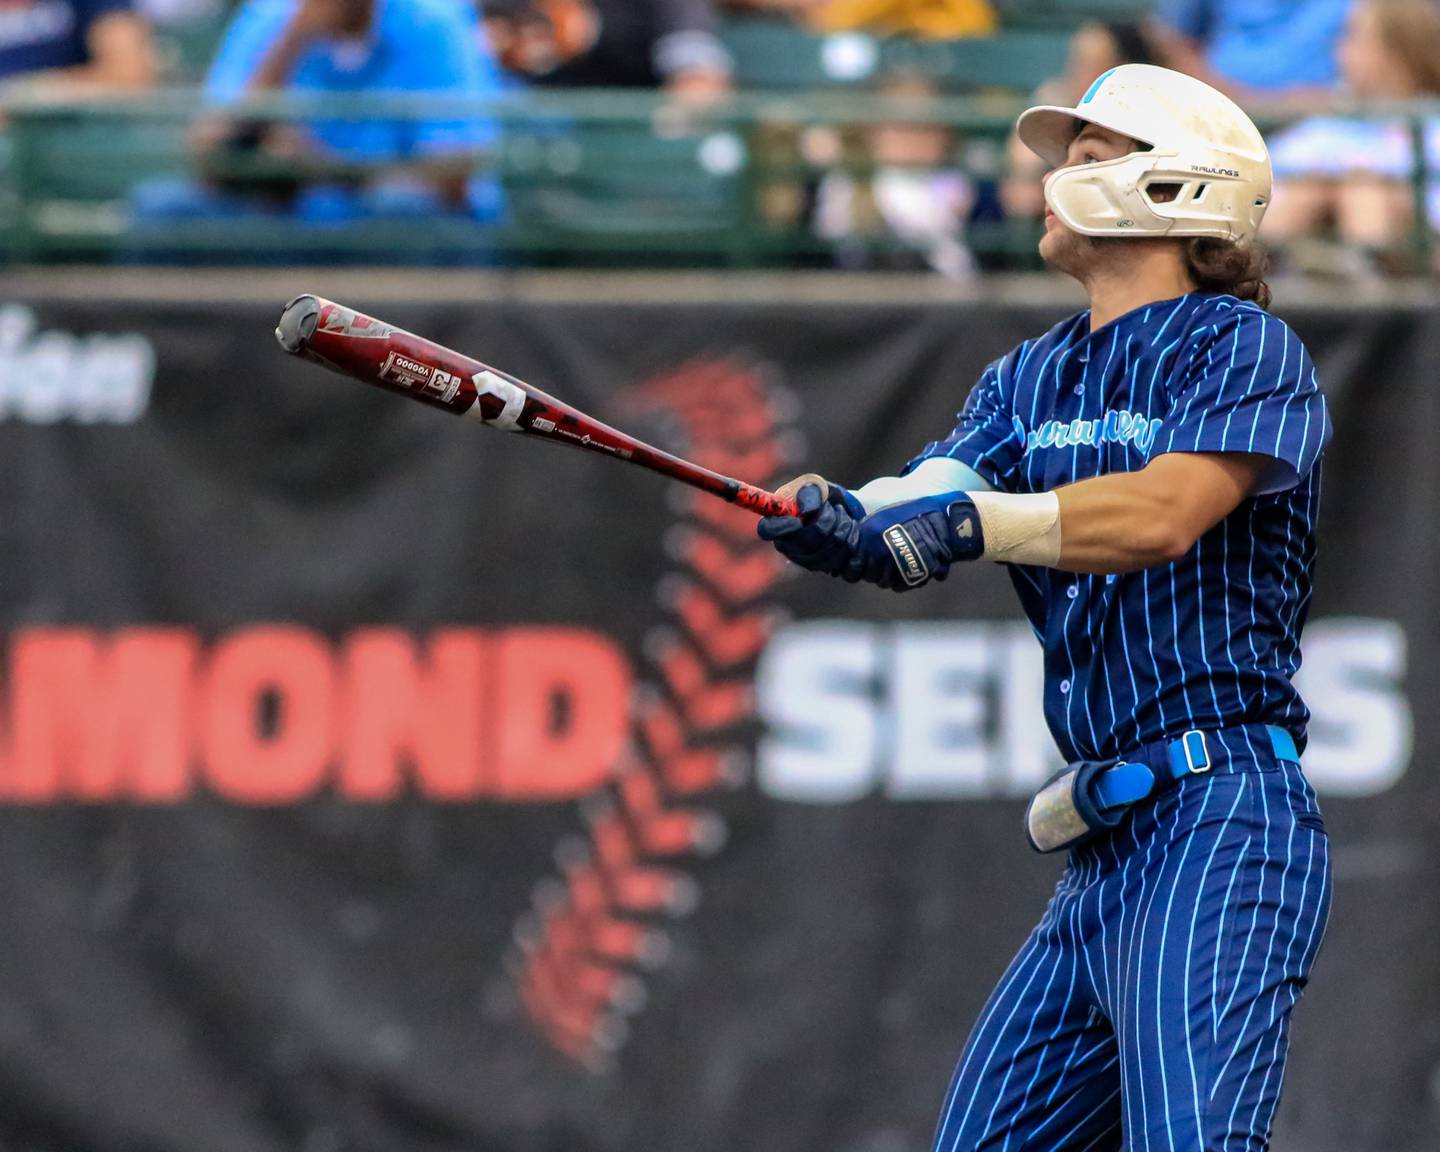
point(588, 177)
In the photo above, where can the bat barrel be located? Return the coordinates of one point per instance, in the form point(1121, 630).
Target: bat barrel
point(297, 323)
point(363, 348)
point(369, 350)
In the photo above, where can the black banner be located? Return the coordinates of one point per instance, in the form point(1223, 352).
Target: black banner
point(374, 781)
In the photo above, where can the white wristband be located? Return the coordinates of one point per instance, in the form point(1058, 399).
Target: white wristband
point(1021, 528)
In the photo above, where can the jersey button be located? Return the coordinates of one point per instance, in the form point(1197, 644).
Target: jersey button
point(1064, 687)
point(1072, 591)
point(1079, 389)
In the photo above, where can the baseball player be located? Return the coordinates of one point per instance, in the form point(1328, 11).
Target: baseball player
point(1149, 472)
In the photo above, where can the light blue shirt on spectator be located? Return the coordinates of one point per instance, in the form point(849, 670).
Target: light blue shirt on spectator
point(1264, 44)
point(414, 46)
point(1334, 148)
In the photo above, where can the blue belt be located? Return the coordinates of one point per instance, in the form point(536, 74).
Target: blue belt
point(1152, 768)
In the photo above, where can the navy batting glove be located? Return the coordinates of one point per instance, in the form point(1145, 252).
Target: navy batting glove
point(910, 544)
point(823, 537)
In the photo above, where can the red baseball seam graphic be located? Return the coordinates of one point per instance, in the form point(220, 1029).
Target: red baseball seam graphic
point(597, 930)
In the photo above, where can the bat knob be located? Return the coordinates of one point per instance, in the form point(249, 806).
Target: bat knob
point(297, 323)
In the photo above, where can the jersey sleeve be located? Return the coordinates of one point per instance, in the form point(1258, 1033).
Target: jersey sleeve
point(986, 436)
point(253, 29)
point(1250, 387)
point(449, 57)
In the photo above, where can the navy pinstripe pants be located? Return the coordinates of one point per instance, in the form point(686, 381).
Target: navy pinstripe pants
point(1149, 1009)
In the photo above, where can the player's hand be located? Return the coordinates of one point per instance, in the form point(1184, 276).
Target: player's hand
point(823, 536)
point(907, 545)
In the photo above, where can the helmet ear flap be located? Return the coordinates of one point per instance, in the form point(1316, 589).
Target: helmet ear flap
point(1106, 198)
point(1142, 194)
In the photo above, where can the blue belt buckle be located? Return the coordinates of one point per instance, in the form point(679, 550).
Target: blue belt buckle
point(1197, 755)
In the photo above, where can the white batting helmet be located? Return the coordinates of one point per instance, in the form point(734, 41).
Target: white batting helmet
point(1199, 140)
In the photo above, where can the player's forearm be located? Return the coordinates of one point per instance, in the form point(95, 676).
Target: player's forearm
point(275, 69)
point(1111, 524)
point(1129, 521)
point(1118, 523)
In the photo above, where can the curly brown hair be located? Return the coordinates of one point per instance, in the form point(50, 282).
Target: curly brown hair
point(1229, 267)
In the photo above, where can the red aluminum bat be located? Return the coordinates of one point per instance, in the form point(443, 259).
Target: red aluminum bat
point(370, 350)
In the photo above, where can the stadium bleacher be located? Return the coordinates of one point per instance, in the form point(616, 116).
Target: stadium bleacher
point(775, 56)
point(589, 176)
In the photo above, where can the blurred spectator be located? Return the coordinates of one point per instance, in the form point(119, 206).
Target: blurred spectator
point(162, 13)
point(612, 43)
point(69, 46)
point(1357, 176)
point(1094, 48)
point(778, 7)
point(912, 198)
point(531, 38)
point(1253, 49)
point(933, 19)
point(331, 168)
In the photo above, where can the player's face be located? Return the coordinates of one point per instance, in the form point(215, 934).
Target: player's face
point(1061, 248)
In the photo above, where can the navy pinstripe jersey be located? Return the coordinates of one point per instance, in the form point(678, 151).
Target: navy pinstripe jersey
point(1213, 639)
